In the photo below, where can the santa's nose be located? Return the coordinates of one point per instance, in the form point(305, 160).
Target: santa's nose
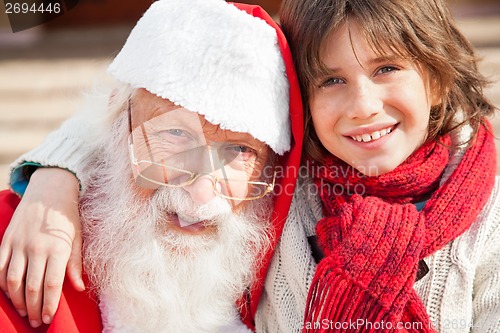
point(201, 190)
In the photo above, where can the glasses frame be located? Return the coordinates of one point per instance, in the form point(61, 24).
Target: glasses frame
point(192, 175)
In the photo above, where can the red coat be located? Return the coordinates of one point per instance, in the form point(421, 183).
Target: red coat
point(77, 311)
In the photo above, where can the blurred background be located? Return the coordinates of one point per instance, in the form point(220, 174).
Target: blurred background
point(44, 69)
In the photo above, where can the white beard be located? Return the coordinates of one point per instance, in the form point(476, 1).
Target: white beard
point(151, 278)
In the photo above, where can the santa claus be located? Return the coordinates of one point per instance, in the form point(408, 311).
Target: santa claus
point(178, 206)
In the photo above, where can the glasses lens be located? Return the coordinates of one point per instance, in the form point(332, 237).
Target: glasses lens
point(151, 175)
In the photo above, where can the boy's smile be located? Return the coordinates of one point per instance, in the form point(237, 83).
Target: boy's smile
point(372, 133)
point(371, 110)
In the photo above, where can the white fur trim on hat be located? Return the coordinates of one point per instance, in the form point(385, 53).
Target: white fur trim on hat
point(212, 58)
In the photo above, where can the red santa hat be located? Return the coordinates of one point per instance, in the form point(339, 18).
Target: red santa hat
point(231, 63)
point(214, 59)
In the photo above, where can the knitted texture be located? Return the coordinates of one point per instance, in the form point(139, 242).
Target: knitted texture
point(373, 242)
point(460, 292)
point(72, 147)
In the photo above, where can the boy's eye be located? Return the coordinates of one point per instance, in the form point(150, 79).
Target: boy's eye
point(331, 81)
point(387, 69)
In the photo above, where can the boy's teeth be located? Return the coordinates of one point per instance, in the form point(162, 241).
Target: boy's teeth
point(372, 136)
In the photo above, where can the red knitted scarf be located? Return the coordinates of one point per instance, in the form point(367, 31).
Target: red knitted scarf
point(373, 236)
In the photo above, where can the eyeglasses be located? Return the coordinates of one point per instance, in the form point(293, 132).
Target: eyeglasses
point(170, 150)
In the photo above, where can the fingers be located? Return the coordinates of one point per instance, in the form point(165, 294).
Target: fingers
point(39, 297)
point(15, 281)
point(5, 254)
point(54, 279)
point(33, 278)
point(34, 292)
point(74, 268)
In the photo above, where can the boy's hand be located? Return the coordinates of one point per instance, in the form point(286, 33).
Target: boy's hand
point(42, 241)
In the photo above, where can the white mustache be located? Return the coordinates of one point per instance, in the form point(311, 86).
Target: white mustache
point(177, 201)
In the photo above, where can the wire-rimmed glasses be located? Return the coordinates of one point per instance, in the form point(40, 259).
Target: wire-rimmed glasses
point(171, 150)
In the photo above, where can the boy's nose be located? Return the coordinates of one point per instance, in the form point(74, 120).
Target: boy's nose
point(366, 102)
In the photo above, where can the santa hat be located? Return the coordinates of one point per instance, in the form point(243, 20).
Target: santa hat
point(231, 63)
point(212, 58)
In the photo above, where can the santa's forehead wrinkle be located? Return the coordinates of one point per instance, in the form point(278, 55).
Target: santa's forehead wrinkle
point(163, 118)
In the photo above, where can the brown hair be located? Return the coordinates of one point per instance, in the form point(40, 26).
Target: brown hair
point(423, 31)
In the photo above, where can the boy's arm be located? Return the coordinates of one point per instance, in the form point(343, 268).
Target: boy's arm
point(36, 248)
point(43, 239)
